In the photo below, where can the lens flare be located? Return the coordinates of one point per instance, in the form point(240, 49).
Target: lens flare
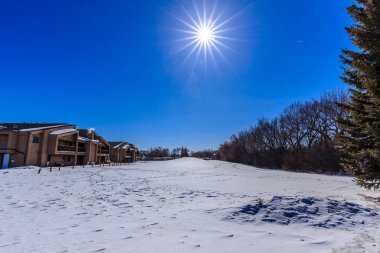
point(205, 31)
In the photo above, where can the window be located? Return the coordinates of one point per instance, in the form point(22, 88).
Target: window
point(36, 139)
point(66, 158)
point(3, 140)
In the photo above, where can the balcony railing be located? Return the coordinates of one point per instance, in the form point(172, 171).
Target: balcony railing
point(66, 148)
point(81, 149)
point(103, 151)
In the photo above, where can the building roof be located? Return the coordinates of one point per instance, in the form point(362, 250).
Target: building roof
point(87, 139)
point(118, 144)
point(27, 127)
point(83, 138)
point(115, 143)
point(122, 145)
point(100, 139)
point(125, 146)
point(63, 131)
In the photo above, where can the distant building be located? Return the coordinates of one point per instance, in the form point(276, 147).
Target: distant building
point(101, 151)
point(123, 152)
point(24, 144)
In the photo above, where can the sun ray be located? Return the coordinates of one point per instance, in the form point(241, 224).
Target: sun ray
point(232, 28)
point(220, 53)
point(225, 38)
point(186, 46)
point(204, 14)
point(212, 13)
point(191, 17)
point(197, 13)
point(186, 23)
point(183, 31)
point(185, 39)
point(210, 50)
point(225, 22)
point(198, 54)
point(191, 52)
point(216, 20)
point(223, 45)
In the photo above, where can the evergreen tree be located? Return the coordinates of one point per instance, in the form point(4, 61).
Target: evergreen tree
point(184, 152)
point(359, 140)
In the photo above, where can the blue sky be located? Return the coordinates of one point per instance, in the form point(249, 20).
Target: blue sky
point(109, 65)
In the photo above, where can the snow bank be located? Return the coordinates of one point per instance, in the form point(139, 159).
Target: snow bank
point(325, 213)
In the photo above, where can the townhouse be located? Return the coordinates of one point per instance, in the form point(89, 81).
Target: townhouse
point(60, 144)
point(123, 152)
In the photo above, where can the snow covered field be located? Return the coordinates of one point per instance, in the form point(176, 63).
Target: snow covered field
point(185, 205)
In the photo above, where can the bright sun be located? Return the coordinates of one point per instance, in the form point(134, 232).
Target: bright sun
point(206, 31)
point(205, 35)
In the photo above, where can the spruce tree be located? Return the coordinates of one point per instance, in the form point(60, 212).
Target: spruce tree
point(359, 140)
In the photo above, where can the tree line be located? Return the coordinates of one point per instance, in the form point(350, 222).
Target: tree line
point(160, 153)
point(301, 138)
point(206, 154)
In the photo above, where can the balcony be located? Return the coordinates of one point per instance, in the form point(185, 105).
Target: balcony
point(66, 148)
point(81, 150)
point(103, 151)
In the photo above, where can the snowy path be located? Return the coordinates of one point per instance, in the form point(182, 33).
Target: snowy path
point(184, 205)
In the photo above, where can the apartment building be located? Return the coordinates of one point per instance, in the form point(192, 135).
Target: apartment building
point(123, 152)
point(24, 144)
point(34, 144)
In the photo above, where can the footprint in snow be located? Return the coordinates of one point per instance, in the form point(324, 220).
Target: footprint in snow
point(319, 242)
